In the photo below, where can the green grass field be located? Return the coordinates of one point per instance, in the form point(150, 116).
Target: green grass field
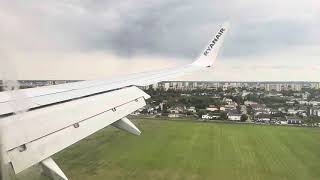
point(195, 150)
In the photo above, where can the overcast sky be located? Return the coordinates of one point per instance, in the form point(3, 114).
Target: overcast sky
point(88, 39)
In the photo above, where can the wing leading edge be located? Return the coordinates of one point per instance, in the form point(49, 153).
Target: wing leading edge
point(64, 114)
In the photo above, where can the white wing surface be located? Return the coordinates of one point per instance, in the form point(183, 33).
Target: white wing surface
point(62, 115)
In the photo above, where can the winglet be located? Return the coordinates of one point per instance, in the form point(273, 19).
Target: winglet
point(210, 53)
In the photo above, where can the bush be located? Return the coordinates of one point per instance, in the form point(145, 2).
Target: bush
point(244, 117)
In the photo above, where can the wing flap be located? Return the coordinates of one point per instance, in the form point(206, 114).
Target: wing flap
point(37, 150)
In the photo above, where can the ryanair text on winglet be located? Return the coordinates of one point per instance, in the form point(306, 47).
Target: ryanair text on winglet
point(214, 41)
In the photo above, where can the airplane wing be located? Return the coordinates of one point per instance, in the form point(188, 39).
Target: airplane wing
point(61, 115)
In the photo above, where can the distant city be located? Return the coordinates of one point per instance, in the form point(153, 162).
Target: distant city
point(268, 86)
point(278, 103)
point(23, 84)
point(192, 85)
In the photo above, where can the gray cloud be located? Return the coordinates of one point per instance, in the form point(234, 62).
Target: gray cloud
point(172, 28)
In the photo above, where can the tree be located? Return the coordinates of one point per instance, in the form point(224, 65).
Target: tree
point(250, 110)
point(253, 97)
point(201, 112)
point(238, 99)
point(224, 116)
point(244, 117)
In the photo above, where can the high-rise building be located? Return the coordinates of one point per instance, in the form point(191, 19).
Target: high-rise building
point(315, 85)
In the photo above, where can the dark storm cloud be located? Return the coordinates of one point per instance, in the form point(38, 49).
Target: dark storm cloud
point(172, 28)
point(182, 29)
point(271, 36)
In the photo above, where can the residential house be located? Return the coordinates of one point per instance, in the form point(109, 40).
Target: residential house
point(234, 117)
point(177, 109)
point(209, 117)
point(303, 102)
point(231, 107)
point(174, 115)
point(222, 108)
point(264, 118)
point(292, 111)
point(243, 109)
point(314, 103)
point(212, 108)
point(305, 95)
point(275, 111)
point(315, 111)
point(260, 112)
point(227, 100)
point(249, 103)
point(290, 103)
point(257, 107)
point(192, 109)
point(294, 121)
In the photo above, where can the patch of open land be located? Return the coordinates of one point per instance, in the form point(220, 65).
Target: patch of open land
point(182, 150)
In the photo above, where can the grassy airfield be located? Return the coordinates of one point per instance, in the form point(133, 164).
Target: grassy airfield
point(193, 150)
